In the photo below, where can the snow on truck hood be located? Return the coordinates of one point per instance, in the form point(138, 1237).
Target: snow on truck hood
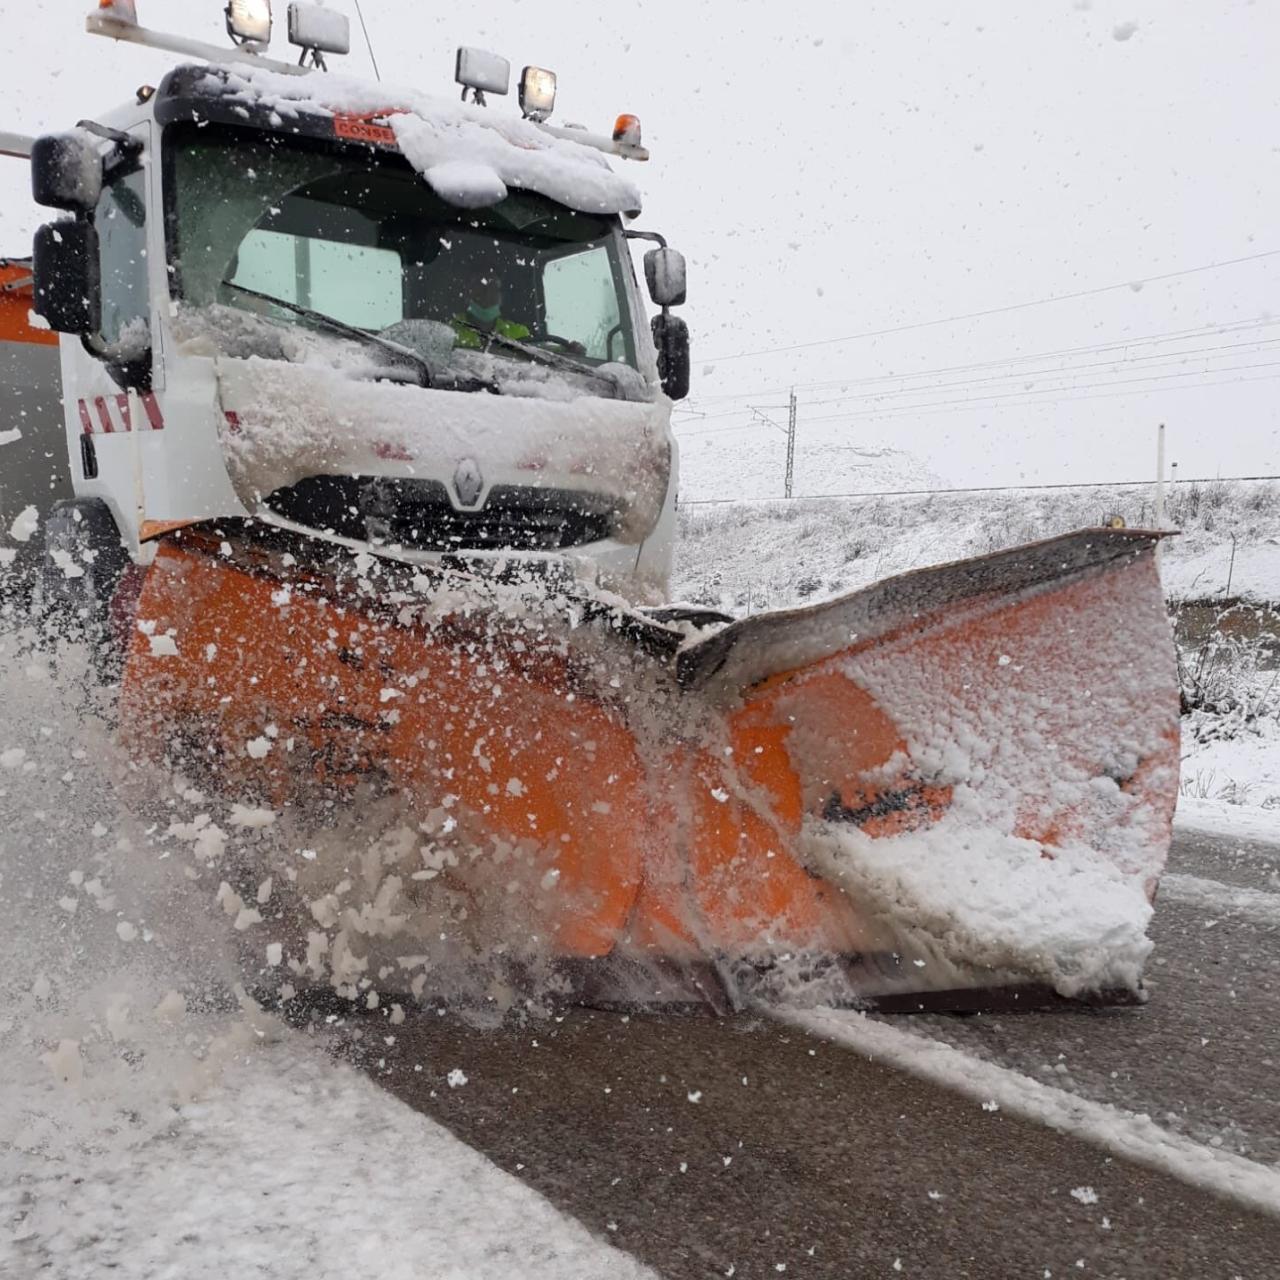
point(468, 155)
point(282, 423)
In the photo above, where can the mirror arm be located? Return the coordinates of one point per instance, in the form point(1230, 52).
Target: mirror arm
point(125, 147)
point(659, 240)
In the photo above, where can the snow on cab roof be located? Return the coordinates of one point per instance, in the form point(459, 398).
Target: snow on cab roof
point(468, 155)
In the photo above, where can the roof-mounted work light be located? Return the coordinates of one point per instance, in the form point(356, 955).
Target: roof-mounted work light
point(249, 21)
point(537, 93)
point(318, 31)
point(481, 72)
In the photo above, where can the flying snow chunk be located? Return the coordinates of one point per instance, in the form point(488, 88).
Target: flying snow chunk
point(243, 815)
point(275, 953)
point(172, 1006)
point(247, 918)
point(1086, 1195)
point(25, 525)
point(1122, 31)
point(65, 1062)
point(466, 184)
point(162, 646)
point(456, 1078)
point(210, 843)
point(67, 563)
point(126, 932)
point(257, 748)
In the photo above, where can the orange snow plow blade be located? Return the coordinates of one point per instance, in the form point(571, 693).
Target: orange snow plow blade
point(954, 782)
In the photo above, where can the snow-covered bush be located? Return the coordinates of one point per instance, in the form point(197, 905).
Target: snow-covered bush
point(1229, 683)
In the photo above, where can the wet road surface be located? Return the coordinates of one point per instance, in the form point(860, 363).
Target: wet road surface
point(737, 1146)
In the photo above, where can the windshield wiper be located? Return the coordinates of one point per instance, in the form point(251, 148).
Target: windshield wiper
point(340, 327)
point(552, 359)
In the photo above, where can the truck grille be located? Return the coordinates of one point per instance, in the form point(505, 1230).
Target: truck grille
point(417, 514)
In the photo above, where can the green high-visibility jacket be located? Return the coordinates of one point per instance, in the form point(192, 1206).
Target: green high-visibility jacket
point(473, 338)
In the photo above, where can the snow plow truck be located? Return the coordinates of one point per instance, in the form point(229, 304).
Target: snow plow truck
point(334, 419)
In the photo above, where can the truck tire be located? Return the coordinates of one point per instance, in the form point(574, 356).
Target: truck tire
point(81, 568)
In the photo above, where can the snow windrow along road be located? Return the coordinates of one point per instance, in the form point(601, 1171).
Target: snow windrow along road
point(290, 1167)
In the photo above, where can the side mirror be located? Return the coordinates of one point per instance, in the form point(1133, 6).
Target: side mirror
point(664, 273)
point(67, 277)
point(671, 338)
point(66, 171)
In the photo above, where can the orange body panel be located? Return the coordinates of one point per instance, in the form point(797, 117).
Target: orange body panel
point(15, 303)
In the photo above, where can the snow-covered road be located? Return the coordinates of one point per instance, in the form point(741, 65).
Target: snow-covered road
point(290, 1166)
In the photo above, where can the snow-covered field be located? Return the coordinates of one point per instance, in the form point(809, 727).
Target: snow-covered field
point(749, 556)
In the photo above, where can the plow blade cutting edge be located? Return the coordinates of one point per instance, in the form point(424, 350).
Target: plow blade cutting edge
point(955, 782)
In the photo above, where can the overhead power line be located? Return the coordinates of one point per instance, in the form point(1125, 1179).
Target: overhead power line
point(967, 404)
point(995, 488)
point(995, 311)
point(1083, 386)
point(1175, 335)
point(1062, 372)
point(1195, 354)
point(892, 401)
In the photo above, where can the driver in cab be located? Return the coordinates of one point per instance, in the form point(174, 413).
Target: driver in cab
point(483, 316)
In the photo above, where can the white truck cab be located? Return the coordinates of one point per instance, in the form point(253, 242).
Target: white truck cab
point(338, 308)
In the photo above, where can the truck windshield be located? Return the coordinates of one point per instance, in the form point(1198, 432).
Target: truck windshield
point(357, 235)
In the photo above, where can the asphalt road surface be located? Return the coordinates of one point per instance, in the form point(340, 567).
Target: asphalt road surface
point(740, 1147)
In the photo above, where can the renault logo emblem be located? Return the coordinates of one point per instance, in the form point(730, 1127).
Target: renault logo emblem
point(468, 483)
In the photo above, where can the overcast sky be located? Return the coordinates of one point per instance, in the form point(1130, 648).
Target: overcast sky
point(837, 169)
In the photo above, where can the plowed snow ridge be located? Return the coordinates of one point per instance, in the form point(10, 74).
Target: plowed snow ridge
point(1132, 1136)
point(1252, 904)
point(294, 1167)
